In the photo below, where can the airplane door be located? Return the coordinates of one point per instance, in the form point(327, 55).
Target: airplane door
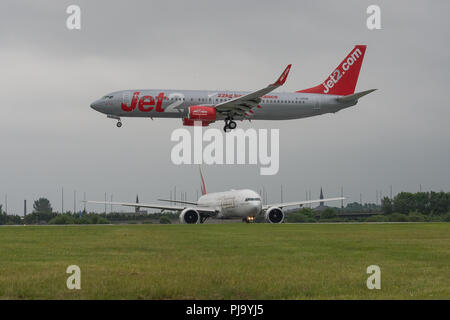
point(316, 104)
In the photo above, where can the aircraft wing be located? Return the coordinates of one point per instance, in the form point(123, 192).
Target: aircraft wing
point(200, 209)
point(240, 105)
point(178, 201)
point(299, 203)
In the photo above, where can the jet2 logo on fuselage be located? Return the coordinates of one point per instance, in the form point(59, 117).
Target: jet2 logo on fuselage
point(145, 103)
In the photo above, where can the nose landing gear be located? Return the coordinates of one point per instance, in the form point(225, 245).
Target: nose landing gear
point(249, 219)
point(230, 124)
point(119, 123)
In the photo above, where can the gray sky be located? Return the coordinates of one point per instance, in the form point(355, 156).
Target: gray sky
point(50, 138)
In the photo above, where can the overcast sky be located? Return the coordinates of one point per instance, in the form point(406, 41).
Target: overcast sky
point(51, 138)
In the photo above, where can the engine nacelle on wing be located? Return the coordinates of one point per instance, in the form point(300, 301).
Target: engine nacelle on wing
point(190, 216)
point(274, 215)
point(202, 113)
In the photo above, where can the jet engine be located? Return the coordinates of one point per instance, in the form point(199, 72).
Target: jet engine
point(190, 216)
point(203, 113)
point(274, 215)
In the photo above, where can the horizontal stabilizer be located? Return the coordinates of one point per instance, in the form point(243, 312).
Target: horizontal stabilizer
point(355, 96)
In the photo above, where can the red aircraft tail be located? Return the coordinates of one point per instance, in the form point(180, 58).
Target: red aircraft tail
point(342, 81)
point(202, 186)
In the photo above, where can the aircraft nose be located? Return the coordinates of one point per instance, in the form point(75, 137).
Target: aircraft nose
point(259, 208)
point(256, 208)
point(95, 105)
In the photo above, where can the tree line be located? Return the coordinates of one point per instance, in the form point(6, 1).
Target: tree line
point(426, 203)
point(43, 214)
point(405, 206)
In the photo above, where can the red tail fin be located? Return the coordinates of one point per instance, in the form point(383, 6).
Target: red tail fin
point(202, 186)
point(342, 81)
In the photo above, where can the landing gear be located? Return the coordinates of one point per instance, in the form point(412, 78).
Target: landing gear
point(203, 219)
point(248, 220)
point(229, 124)
point(111, 116)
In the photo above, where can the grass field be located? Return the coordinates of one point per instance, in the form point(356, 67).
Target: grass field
point(226, 261)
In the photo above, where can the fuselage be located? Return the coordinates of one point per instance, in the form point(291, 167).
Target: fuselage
point(166, 103)
point(243, 203)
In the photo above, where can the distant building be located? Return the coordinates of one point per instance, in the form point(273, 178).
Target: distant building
point(322, 205)
point(137, 209)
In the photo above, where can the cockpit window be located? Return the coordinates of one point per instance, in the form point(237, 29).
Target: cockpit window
point(252, 199)
point(107, 97)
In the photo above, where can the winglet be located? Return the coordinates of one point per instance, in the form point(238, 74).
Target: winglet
point(282, 79)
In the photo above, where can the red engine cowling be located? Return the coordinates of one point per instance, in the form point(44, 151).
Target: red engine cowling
point(202, 113)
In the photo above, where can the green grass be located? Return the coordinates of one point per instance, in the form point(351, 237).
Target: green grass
point(226, 261)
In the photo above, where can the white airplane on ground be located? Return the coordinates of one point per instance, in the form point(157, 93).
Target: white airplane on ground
point(244, 204)
point(205, 106)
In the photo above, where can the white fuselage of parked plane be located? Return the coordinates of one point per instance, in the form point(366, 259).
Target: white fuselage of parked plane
point(243, 203)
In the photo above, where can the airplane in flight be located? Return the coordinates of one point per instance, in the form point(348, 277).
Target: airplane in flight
point(203, 107)
point(244, 204)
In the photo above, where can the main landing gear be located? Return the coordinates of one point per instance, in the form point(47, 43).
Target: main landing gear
point(203, 219)
point(230, 124)
point(119, 124)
